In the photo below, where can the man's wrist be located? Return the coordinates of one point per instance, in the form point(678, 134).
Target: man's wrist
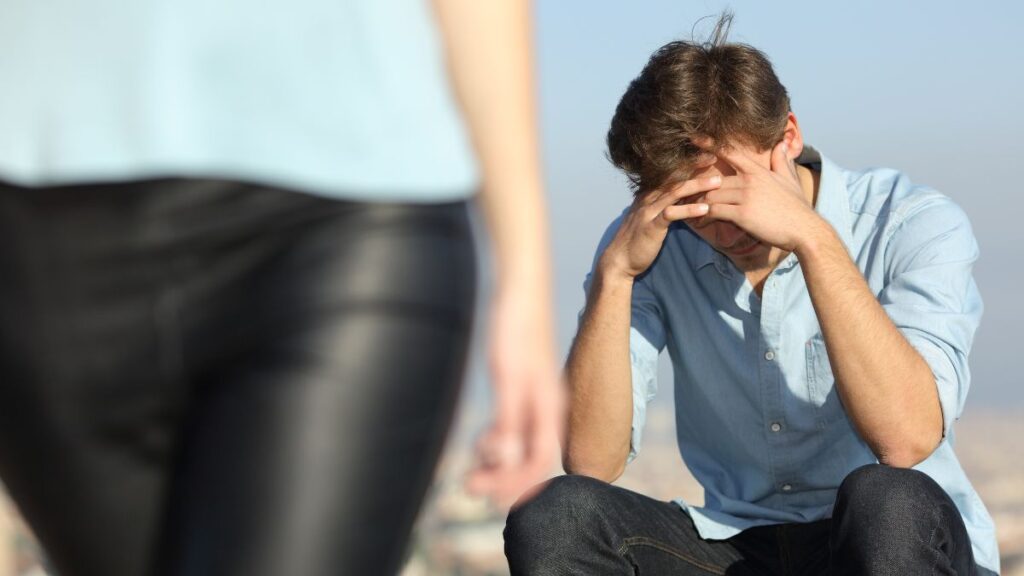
point(817, 236)
point(608, 272)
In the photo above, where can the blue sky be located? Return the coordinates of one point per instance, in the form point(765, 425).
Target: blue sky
point(933, 89)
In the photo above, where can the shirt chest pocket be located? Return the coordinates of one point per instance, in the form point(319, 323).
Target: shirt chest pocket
point(821, 389)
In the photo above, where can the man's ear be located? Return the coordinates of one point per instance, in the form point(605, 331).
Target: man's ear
point(793, 138)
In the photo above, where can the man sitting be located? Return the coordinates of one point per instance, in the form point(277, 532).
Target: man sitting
point(818, 321)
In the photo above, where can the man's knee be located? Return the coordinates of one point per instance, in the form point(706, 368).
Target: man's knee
point(878, 506)
point(896, 519)
point(564, 499)
point(883, 494)
point(562, 511)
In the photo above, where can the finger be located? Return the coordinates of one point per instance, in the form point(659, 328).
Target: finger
point(686, 189)
point(702, 161)
point(727, 212)
point(677, 212)
point(511, 459)
point(492, 465)
point(504, 485)
point(542, 439)
point(726, 196)
point(698, 223)
point(500, 450)
point(484, 456)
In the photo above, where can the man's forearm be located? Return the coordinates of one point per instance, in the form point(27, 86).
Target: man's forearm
point(887, 388)
point(600, 382)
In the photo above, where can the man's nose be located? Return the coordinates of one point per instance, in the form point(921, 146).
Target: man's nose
point(728, 233)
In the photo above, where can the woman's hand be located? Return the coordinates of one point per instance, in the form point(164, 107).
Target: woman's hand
point(521, 446)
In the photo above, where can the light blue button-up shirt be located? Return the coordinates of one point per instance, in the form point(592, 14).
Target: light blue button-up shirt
point(758, 418)
point(341, 98)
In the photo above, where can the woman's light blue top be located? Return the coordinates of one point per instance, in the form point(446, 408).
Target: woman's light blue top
point(342, 98)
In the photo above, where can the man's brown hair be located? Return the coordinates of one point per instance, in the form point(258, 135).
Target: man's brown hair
point(714, 89)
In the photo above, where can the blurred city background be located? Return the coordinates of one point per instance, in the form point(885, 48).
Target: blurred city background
point(933, 90)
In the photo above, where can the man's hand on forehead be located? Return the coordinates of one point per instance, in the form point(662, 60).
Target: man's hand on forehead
point(642, 231)
point(769, 203)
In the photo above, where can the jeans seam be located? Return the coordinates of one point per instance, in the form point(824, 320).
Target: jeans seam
point(931, 539)
point(644, 541)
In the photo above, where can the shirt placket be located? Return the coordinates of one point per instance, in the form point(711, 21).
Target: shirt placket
point(773, 303)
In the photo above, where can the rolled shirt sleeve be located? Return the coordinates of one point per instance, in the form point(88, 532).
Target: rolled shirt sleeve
point(931, 296)
point(643, 358)
point(646, 340)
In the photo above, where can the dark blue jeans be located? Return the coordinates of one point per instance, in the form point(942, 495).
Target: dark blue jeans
point(885, 521)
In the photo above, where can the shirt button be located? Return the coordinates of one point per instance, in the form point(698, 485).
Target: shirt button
point(776, 427)
point(787, 487)
point(769, 355)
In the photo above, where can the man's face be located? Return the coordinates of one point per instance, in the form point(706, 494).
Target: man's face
point(745, 251)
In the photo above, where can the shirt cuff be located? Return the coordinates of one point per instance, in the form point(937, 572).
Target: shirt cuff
point(643, 358)
point(947, 381)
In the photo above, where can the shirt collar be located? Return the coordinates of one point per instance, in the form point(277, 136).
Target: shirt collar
point(705, 254)
point(833, 196)
point(833, 205)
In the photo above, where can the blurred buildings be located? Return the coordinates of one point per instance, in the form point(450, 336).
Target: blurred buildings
point(461, 536)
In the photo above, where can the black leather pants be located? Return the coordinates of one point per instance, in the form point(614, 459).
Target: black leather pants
point(212, 378)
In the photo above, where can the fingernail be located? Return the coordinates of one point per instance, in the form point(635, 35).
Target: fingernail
point(715, 180)
point(702, 208)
